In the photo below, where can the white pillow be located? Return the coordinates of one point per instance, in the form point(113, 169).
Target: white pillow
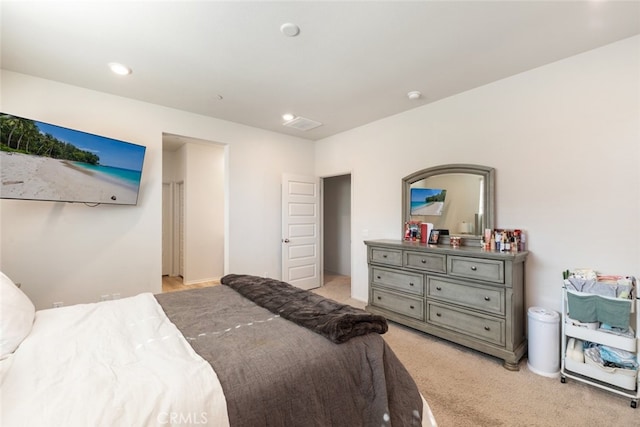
point(16, 316)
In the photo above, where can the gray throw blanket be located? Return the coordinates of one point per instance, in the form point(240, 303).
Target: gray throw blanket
point(335, 321)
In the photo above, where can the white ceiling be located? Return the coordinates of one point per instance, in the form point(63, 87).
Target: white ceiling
point(352, 63)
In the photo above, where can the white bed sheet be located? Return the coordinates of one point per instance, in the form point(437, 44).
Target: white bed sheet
point(112, 363)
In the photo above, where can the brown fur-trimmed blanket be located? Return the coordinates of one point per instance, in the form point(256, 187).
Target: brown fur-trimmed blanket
point(335, 321)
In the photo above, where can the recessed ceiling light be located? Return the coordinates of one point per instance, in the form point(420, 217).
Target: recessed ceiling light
point(120, 69)
point(288, 116)
point(414, 94)
point(289, 29)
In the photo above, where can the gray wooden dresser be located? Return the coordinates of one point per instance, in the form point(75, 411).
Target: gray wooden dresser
point(466, 295)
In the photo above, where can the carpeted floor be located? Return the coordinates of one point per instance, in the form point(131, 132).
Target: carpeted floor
point(467, 388)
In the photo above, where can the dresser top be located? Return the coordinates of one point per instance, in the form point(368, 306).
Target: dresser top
point(472, 251)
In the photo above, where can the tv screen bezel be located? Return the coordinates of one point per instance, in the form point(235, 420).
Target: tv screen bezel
point(86, 142)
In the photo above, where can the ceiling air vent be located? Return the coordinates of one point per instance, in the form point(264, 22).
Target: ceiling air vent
point(302, 123)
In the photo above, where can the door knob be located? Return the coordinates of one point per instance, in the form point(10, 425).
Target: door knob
point(285, 240)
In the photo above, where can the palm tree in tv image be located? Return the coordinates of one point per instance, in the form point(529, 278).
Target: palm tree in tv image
point(13, 130)
point(24, 136)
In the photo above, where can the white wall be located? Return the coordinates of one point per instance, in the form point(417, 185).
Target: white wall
point(74, 253)
point(564, 140)
point(204, 213)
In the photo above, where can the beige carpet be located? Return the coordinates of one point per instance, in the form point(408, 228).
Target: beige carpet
point(468, 388)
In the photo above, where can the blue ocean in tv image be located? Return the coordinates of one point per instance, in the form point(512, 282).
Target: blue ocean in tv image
point(41, 161)
point(126, 177)
point(110, 152)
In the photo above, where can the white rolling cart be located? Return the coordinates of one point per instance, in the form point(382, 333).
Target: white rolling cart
point(621, 381)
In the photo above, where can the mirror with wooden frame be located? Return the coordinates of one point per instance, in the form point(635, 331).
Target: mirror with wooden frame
point(455, 197)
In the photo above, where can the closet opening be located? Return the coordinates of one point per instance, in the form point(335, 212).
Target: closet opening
point(193, 208)
point(336, 207)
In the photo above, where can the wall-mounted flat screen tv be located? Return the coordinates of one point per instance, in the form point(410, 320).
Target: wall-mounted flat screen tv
point(41, 161)
point(427, 201)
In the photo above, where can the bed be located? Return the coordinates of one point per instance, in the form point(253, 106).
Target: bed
point(251, 352)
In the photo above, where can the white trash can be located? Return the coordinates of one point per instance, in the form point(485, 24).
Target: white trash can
point(544, 342)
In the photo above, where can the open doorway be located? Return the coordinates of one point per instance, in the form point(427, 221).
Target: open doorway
point(336, 203)
point(193, 203)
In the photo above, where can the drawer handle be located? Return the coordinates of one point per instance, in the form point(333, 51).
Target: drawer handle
point(474, 268)
point(410, 283)
point(378, 277)
point(487, 298)
point(424, 261)
point(438, 288)
point(384, 256)
point(438, 315)
point(379, 297)
point(411, 307)
point(486, 328)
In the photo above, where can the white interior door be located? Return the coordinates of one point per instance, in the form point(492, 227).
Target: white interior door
point(167, 238)
point(179, 230)
point(301, 231)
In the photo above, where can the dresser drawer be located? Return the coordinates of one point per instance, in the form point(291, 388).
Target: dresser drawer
point(484, 328)
point(398, 280)
point(429, 262)
point(483, 298)
point(386, 256)
point(476, 268)
point(408, 306)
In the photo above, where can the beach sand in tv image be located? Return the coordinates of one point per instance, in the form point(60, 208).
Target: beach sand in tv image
point(41, 178)
point(427, 201)
point(39, 161)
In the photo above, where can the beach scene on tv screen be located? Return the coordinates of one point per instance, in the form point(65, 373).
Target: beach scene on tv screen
point(40, 161)
point(427, 201)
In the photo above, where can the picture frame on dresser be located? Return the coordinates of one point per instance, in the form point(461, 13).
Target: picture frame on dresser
point(434, 237)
